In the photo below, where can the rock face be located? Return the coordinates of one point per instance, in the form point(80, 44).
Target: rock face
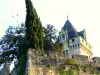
point(49, 64)
point(41, 65)
point(81, 59)
point(38, 64)
point(35, 56)
point(96, 61)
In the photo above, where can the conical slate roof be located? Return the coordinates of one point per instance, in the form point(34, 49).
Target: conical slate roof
point(72, 32)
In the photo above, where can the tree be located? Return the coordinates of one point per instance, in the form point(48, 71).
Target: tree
point(50, 32)
point(49, 36)
point(58, 46)
point(12, 42)
point(34, 31)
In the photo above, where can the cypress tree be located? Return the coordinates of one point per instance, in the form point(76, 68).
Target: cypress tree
point(34, 32)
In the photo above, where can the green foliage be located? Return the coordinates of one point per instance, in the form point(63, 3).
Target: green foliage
point(78, 66)
point(52, 46)
point(99, 73)
point(34, 31)
point(8, 56)
point(58, 46)
point(10, 43)
point(49, 38)
point(70, 61)
point(63, 72)
point(62, 69)
point(48, 45)
point(11, 39)
point(50, 33)
point(70, 72)
point(94, 72)
point(85, 69)
point(21, 66)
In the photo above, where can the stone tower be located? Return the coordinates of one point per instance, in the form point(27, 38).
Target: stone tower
point(74, 42)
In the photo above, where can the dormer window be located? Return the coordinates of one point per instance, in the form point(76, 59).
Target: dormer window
point(63, 36)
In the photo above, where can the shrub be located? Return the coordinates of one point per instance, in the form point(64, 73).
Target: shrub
point(99, 73)
point(94, 72)
point(70, 72)
point(21, 66)
point(62, 70)
point(70, 61)
point(85, 69)
point(76, 67)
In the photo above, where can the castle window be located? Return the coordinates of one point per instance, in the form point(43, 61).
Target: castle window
point(63, 36)
point(75, 46)
point(78, 45)
point(72, 40)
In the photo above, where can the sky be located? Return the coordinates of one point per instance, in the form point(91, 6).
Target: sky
point(81, 13)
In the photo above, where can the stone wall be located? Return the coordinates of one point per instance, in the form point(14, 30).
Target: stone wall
point(36, 57)
point(49, 64)
point(42, 70)
point(96, 61)
point(36, 63)
point(39, 64)
point(81, 59)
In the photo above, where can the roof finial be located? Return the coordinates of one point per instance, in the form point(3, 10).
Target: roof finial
point(67, 16)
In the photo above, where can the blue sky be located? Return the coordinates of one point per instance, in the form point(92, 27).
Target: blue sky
point(81, 13)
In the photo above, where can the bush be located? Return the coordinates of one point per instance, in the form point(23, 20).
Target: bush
point(76, 67)
point(70, 72)
point(62, 70)
point(21, 66)
point(94, 72)
point(70, 61)
point(99, 73)
point(85, 69)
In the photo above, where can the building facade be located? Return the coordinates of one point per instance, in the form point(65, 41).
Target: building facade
point(74, 42)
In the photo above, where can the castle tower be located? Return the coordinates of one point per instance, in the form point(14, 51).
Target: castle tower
point(74, 42)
